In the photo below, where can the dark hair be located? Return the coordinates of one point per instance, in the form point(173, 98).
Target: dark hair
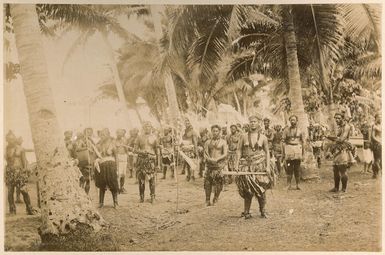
point(266, 119)
point(293, 116)
point(377, 115)
point(339, 114)
point(215, 126)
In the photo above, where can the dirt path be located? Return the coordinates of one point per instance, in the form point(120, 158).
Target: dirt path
point(308, 220)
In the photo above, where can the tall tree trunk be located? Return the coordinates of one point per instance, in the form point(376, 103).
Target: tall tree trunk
point(138, 114)
point(168, 81)
point(118, 82)
point(64, 205)
point(244, 98)
point(295, 93)
point(237, 102)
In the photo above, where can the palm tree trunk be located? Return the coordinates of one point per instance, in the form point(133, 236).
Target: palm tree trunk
point(168, 81)
point(118, 82)
point(138, 115)
point(295, 93)
point(244, 98)
point(237, 102)
point(64, 205)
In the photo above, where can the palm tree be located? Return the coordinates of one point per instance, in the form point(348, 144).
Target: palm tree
point(91, 19)
point(65, 207)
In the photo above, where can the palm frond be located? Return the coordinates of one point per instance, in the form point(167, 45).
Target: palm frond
point(363, 21)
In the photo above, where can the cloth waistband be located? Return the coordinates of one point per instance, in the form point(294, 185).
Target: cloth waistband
point(105, 159)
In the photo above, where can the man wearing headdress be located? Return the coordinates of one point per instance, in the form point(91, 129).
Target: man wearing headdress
point(341, 151)
point(253, 156)
point(147, 147)
point(106, 169)
point(293, 151)
point(121, 157)
point(131, 156)
point(189, 146)
point(16, 173)
point(167, 150)
point(215, 155)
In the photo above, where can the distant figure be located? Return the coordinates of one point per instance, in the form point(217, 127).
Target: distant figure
point(232, 143)
point(203, 137)
point(121, 158)
point(167, 150)
point(131, 155)
point(16, 173)
point(189, 146)
point(268, 132)
point(375, 140)
point(367, 158)
point(215, 155)
point(277, 147)
point(224, 133)
point(82, 151)
point(69, 143)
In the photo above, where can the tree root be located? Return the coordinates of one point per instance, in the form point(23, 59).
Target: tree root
point(82, 238)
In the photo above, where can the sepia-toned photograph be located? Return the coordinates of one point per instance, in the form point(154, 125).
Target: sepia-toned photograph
point(172, 127)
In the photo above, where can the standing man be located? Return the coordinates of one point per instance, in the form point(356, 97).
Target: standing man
point(232, 143)
point(204, 136)
point(268, 132)
point(16, 173)
point(253, 156)
point(121, 157)
point(69, 143)
point(293, 151)
point(189, 146)
point(148, 160)
point(215, 155)
point(106, 171)
point(82, 150)
point(340, 151)
point(375, 140)
point(277, 147)
point(131, 156)
point(167, 150)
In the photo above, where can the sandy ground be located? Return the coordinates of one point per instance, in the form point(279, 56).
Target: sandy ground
point(308, 220)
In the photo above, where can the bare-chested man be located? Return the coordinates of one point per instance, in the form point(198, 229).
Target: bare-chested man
point(121, 157)
point(16, 173)
point(232, 142)
point(131, 156)
point(167, 146)
point(215, 155)
point(375, 140)
point(190, 147)
point(253, 156)
point(148, 160)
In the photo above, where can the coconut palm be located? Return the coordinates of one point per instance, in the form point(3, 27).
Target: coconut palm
point(91, 20)
point(65, 207)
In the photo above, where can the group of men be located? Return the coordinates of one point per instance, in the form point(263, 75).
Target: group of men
point(255, 154)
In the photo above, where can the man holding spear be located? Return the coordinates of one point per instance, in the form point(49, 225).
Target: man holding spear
point(254, 173)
